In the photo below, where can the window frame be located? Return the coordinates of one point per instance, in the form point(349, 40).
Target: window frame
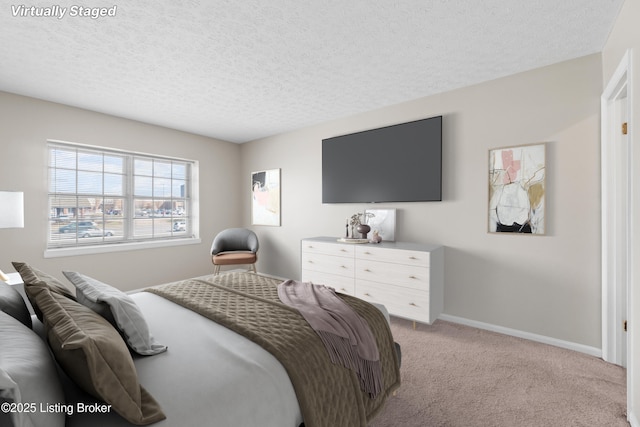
point(129, 241)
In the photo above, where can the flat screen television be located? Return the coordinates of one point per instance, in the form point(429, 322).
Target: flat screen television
point(399, 163)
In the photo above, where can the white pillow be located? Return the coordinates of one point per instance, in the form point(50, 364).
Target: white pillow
point(126, 316)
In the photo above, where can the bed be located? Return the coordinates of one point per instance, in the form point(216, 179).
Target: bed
point(209, 373)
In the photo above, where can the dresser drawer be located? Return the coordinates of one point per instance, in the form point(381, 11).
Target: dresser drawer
point(328, 264)
point(336, 249)
point(396, 256)
point(342, 284)
point(396, 275)
point(402, 302)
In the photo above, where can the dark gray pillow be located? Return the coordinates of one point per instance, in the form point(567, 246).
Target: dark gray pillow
point(12, 303)
point(28, 375)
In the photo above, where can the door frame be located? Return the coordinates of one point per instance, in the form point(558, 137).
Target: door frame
point(617, 248)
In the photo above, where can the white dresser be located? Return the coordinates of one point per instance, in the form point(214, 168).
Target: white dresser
point(408, 278)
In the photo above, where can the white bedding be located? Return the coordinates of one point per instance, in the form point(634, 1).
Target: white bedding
point(210, 376)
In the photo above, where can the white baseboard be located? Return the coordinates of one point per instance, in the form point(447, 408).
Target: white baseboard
point(593, 351)
point(631, 417)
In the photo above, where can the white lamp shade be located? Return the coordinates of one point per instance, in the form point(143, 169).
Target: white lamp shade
point(11, 209)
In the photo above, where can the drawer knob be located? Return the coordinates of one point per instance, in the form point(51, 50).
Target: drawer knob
point(412, 277)
point(413, 304)
point(367, 270)
point(343, 250)
point(367, 294)
point(367, 253)
point(343, 266)
point(412, 257)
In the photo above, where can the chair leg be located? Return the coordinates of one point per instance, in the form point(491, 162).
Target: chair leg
point(253, 266)
point(216, 269)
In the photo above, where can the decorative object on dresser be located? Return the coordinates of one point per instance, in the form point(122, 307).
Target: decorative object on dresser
point(350, 240)
point(359, 222)
point(363, 229)
point(383, 220)
point(408, 278)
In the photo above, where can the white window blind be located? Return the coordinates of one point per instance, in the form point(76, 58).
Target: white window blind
point(100, 196)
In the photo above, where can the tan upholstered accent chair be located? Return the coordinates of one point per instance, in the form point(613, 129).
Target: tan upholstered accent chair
point(234, 246)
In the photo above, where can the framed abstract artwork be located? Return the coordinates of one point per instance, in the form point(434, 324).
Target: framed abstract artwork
point(517, 189)
point(265, 197)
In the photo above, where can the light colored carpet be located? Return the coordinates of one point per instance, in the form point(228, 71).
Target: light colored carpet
point(458, 376)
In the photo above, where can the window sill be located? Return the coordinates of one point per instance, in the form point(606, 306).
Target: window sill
point(120, 247)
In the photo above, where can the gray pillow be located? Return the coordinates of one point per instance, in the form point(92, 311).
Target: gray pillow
point(28, 375)
point(12, 303)
point(122, 311)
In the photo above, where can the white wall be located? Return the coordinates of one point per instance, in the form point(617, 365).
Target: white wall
point(626, 35)
point(547, 285)
point(27, 123)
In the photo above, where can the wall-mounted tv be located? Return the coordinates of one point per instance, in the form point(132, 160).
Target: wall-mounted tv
point(399, 163)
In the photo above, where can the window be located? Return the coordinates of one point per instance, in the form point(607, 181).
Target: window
point(110, 198)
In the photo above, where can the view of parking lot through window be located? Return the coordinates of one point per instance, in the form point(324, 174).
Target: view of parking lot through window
point(101, 196)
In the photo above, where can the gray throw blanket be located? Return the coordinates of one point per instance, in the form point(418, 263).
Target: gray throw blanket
point(346, 336)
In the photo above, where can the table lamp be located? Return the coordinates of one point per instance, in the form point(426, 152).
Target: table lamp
point(11, 214)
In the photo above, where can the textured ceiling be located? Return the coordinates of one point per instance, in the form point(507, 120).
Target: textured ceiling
point(239, 70)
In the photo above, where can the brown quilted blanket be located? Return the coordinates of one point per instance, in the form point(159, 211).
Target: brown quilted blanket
point(329, 395)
